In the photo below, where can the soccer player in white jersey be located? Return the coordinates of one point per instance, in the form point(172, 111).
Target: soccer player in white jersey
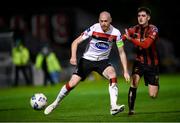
point(101, 38)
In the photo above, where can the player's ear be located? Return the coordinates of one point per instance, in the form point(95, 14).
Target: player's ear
point(149, 17)
point(110, 19)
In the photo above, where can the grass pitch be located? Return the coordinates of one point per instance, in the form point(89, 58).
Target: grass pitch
point(89, 102)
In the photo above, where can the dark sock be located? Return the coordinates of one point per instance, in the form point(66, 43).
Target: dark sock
point(131, 98)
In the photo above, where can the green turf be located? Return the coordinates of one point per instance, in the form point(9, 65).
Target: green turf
point(89, 101)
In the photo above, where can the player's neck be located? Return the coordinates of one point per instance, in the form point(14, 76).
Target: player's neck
point(144, 25)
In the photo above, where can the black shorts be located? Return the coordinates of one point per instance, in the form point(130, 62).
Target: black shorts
point(150, 73)
point(85, 67)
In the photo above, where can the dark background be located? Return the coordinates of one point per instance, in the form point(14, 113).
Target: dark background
point(165, 14)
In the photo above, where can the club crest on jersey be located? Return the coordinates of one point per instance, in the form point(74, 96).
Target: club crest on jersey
point(110, 38)
point(102, 45)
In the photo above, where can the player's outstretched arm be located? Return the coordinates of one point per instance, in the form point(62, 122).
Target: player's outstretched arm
point(74, 46)
point(145, 44)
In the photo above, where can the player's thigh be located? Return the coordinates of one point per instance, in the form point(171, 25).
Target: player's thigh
point(74, 80)
point(137, 73)
point(153, 90)
point(135, 80)
point(109, 72)
point(151, 76)
point(84, 68)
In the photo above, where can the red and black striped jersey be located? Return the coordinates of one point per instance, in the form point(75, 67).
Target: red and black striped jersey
point(145, 39)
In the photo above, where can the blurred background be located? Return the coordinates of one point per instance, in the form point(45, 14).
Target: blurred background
point(57, 24)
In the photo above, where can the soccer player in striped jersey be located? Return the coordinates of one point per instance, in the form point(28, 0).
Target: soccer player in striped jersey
point(101, 37)
point(144, 36)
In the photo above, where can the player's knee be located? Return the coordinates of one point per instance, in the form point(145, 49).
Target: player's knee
point(111, 72)
point(134, 84)
point(153, 96)
point(153, 91)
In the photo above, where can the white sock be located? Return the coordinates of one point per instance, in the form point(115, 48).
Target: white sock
point(113, 92)
point(62, 93)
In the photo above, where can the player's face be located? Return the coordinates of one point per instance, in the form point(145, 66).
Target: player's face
point(143, 18)
point(104, 21)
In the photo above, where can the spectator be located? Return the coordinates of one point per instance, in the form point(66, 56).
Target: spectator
point(48, 62)
point(21, 60)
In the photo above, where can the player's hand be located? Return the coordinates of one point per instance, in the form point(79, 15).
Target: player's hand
point(124, 37)
point(127, 77)
point(127, 35)
point(73, 61)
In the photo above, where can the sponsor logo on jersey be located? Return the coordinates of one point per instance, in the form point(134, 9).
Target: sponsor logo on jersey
point(102, 45)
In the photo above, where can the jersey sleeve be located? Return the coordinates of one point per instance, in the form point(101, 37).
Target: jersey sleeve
point(153, 34)
point(119, 41)
point(88, 32)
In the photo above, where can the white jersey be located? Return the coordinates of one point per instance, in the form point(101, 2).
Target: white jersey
point(100, 43)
